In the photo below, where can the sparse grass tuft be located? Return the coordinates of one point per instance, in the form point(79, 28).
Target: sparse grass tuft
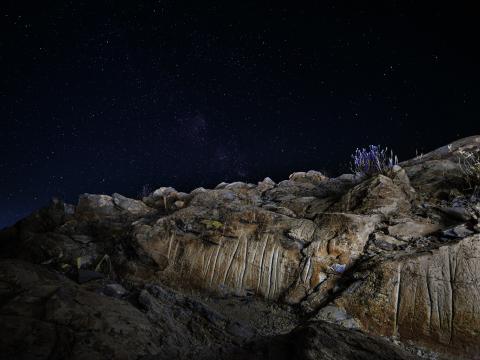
point(470, 165)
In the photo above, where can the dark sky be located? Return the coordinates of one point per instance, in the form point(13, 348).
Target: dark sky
point(106, 96)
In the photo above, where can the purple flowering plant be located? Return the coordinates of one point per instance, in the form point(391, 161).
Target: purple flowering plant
point(373, 160)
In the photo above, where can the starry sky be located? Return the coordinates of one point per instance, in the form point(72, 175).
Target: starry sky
point(110, 96)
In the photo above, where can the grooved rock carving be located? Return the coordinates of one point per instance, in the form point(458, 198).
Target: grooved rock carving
point(432, 298)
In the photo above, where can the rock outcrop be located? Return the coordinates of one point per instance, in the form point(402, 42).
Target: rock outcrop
point(432, 298)
point(114, 277)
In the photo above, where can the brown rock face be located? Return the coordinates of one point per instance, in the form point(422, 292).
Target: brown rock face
point(340, 241)
point(431, 298)
point(230, 256)
point(379, 195)
point(245, 239)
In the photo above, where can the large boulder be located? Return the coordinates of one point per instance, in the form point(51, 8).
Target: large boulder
point(96, 206)
point(132, 206)
point(438, 173)
point(431, 298)
point(323, 341)
point(104, 206)
point(379, 195)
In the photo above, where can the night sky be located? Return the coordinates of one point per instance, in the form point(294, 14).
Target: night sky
point(107, 96)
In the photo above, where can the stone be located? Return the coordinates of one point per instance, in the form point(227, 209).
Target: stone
point(115, 290)
point(336, 315)
point(221, 185)
point(303, 231)
point(96, 205)
point(132, 206)
point(401, 179)
point(267, 180)
point(321, 340)
point(431, 298)
point(339, 242)
point(164, 192)
point(179, 204)
point(409, 229)
point(198, 190)
point(309, 176)
point(265, 184)
point(348, 177)
point(338, 268)
point(387, 242)
point(439, 172)
point(378, 195)
point(459, 231)
point(236, 186)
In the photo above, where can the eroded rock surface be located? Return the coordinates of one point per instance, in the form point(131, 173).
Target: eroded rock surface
point(431, 297)
point(394, 255)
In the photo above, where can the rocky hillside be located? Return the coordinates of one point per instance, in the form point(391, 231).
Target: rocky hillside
point(309, 268)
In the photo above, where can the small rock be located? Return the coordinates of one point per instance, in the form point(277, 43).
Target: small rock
point(338, 268)
point(96, 205)
point(237, 185)
point(198, 190)
point(115, 290)
point(163, 192)
point(221, 185)
point(303, 231)
point(179, 204)
point(268, 180)
point(131, 205)
point(309, 176)
point(266, 184)
point(347, 177)
point(459, 231)
point(336, 315)
point(412, 230)
point(386, 242)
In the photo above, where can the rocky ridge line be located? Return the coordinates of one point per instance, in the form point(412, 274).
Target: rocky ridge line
point(394, 256)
